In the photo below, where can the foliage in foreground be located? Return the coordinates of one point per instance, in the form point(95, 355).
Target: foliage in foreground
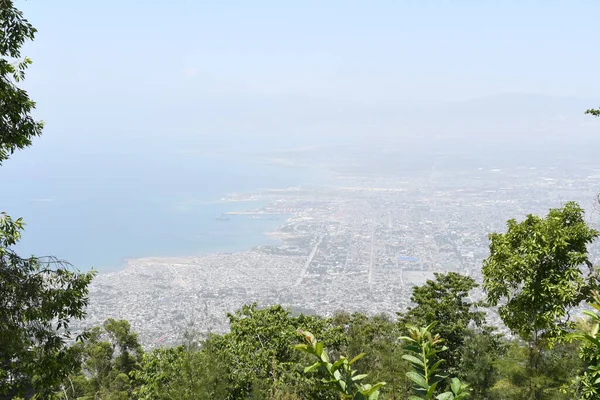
point(588, 382)
point(446, 299)
point(38, 299)
point(423, 348)
point(341, 376)
point(17, 126)
point(535, 273)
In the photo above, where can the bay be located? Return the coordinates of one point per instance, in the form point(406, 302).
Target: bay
point(97, 211)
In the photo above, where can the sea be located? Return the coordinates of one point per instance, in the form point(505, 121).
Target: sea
point(98, 211)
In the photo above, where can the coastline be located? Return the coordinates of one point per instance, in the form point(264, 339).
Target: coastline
point(273, 236)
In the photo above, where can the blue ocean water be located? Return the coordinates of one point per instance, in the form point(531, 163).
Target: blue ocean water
point(97, 211)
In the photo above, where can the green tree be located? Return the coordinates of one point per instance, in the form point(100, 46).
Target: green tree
point(534, 272)
point(182, 372)
point(558, 366)
point(378, 337)
point(587, 383)
point(593, 111)
point(341, 377)
point(259, 352)
point(109, 356)
point(534, 269)
point(193, 370)
point(446, 300)
point(480, 355)
point(38, 299)
point(17, 126)
point(423, 348)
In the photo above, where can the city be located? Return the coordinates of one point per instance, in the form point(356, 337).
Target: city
point(358, 246)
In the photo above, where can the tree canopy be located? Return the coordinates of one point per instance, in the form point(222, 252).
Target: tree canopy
point(38, 298)
point(17, 126)
point(593, 111)
point(446, 300)
point(534, 271)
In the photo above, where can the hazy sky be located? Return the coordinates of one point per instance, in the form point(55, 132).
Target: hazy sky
point(136, 69)
point(378, 49)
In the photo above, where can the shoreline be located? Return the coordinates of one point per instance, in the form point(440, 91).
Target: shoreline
point(273, 237)
point(259, 204)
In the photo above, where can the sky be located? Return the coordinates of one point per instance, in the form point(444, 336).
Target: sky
point(201, 71)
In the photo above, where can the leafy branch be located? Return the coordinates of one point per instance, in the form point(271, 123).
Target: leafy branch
point(589, 381)
point(593, 111)
point(341, 376)
point(423, 348)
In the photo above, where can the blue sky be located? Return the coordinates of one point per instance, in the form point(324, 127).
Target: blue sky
point(384, 50)
point(136, 69)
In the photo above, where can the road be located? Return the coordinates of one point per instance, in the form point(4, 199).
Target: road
point(309, 260)
point(371, 258)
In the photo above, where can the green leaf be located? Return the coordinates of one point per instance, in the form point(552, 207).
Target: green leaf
point(406, 339)
point(336, 365)
point(359, 377)
point(324, 356)
point(435, 367)
point(431, 390)
point(418, 379)
point(373, 396)
point(375, 388)
point(337, 375)
point(319, 349)
point(413, 360)
point(301, 347)
point(313, 367)
point(355, 359)
point(455, 385)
